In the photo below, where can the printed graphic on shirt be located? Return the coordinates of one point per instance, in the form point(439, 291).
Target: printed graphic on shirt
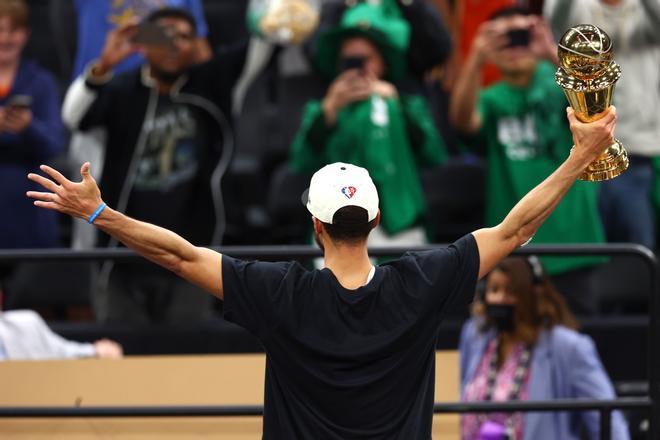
point(519, 138)
point(170, 154)
point(123, 11)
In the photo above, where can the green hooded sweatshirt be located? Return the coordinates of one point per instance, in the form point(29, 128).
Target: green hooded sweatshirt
point(391, 138)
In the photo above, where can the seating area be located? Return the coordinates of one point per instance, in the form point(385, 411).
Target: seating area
point(273, 103)
point(261, 194)
point(621, 341)
point(262, 209)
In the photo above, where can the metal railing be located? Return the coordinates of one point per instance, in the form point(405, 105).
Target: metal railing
point(604, 407)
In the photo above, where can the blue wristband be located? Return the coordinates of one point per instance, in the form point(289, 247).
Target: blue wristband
point(98, 211)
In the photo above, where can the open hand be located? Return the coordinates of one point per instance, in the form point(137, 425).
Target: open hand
point(75, 199)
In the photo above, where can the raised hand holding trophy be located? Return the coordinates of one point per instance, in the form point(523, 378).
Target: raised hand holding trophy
point(587, 74)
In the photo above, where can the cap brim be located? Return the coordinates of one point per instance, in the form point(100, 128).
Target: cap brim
point(304, 198)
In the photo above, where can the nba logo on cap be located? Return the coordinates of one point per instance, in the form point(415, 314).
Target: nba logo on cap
point(335, 186)
point(349, 191)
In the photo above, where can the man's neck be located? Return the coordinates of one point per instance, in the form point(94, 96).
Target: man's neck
point(163, 86)
point(349, 263)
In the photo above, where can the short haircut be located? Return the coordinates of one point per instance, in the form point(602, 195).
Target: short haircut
point(17, 11)
point(350, 225)
point(509, 11)
point(179, 13)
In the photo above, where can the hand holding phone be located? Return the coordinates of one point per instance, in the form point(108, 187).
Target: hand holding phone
point(20, 102)
point(118, 46)
point(16, 116)
point(151, 34)
point(518, 38)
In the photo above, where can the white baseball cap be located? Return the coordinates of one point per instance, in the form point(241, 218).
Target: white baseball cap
point(338, 185)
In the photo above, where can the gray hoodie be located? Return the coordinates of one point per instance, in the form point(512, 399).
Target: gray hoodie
point(634, 26)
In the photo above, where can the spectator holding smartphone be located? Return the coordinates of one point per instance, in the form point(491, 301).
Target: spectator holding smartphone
point(31, 132)
point(96, 18)
point(168, 145)
point(430, 40)
point(522, 345)
point(518, 123)
point(364, 120)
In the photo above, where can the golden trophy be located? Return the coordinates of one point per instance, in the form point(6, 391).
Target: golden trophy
point(587, 74)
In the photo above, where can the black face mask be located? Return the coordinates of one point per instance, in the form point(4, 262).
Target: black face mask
point(501, 315)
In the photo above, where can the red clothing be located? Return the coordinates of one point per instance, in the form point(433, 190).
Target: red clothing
point(473, 13)
point(4, 90)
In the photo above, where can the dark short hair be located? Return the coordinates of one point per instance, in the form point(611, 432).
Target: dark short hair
point(509, 11)
point(350, 224)
point(179, 13)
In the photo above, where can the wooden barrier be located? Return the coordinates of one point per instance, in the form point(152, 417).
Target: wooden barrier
point(154, 381)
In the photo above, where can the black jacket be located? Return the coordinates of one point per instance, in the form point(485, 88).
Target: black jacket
point(121, 107)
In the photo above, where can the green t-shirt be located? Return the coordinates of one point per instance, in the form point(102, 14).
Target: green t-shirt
point(391, 138)
point(525, 136)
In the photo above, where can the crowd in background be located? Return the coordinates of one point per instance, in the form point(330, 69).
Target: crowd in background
point(407, 89)
point(178, 131)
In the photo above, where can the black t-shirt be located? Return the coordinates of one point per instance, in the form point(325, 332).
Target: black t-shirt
point(168, 167)
point(170, 181)
point(348, 364)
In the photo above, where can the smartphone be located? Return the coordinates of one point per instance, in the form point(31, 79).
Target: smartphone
point(151, 34)
point(518, 37)
point(348, 63)
point(20, 101)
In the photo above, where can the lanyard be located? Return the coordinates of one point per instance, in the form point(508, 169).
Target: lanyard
point(519, 377)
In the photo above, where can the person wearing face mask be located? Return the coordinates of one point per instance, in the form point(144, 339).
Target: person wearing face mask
point(522, 344)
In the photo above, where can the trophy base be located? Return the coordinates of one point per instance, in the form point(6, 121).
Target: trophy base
point(609, 165)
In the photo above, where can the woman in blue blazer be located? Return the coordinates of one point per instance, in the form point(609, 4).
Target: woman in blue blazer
point(521, 345)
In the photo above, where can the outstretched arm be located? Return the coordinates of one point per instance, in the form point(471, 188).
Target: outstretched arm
point(531, 211)
point(200, 266)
